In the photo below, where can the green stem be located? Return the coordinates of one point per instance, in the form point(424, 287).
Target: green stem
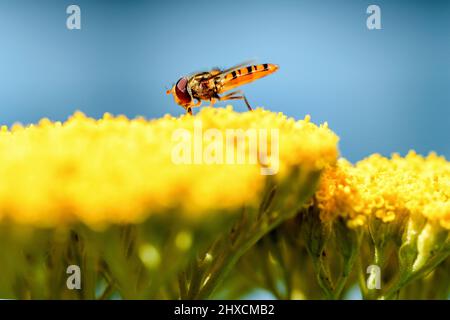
point(182, 284)
point(407, 278)
point(250, 228)
point(268, 274)
point(109, 290)
point(362, 280)
point(340, 285)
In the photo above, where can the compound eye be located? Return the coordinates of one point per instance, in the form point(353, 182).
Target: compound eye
point(181, 91)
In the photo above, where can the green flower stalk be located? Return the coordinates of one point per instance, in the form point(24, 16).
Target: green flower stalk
point(280, 202)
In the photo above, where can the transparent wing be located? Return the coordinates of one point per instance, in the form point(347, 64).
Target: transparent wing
point(216, 72)
point(240, 65)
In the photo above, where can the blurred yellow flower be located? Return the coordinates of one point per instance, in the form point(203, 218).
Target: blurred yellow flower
point(116, 170)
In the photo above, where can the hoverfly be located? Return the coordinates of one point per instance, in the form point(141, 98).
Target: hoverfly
point(208, 85)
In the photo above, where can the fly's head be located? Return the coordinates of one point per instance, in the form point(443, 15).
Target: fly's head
point(182, 93)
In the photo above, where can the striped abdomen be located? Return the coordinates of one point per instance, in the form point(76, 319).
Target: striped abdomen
point(244, 75)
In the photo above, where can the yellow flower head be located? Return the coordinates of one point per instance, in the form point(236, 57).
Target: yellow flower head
point(116, 170)
point(338, 194)
point(388, 189)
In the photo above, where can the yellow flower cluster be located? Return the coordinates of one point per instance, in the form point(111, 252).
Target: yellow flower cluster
point(337, 194)
point(389, 189)
point(116, 170)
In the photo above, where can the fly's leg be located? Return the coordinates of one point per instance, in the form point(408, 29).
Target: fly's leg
point(236, 95)
point(197, 104)
point(212, 102)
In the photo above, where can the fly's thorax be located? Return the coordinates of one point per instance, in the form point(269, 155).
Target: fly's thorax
point(203, 87)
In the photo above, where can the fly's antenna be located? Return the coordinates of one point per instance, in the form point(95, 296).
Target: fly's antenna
point(167, 90)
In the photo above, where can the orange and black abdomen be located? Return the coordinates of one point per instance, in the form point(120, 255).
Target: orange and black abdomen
point(244, 75)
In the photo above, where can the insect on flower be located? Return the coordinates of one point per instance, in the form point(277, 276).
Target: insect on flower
point(208, 85)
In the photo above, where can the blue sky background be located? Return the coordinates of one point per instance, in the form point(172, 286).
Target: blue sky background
point(381, 91)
